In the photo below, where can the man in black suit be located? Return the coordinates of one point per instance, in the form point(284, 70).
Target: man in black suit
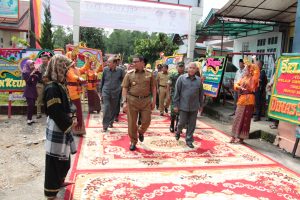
point(260, 92)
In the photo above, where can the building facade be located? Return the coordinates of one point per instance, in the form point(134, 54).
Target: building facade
point(263, 43)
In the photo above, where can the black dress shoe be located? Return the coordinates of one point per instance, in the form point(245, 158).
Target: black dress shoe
point(166, 110)
point(132, 147)
point(110, 126)
point(141, 137)
point(190, 145)
point(172, 129)
point(162, 114)
point(116, 119)
point(177, 136)
point(232, 114)
point(104, 129)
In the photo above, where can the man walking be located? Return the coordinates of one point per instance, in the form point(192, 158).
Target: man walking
point(119, 65)
point(188, 99)
point(171, 92)
point(41, 84)
point(138, 86)
point(238, 75)
point(260, 92)
point(162, 82)
point(110, 88)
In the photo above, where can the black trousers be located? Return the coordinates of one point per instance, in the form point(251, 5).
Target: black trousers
point(259, 103)
point(55, 174)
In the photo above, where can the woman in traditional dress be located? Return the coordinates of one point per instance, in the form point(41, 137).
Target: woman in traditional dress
point(92, 83)
point(74, 85)
point(245, 105)
point(59, 139)
point(31, 75)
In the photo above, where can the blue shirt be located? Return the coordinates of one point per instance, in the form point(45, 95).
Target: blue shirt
point(188, 93)
point(111, 82)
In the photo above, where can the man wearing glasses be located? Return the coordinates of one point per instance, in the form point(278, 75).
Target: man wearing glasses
point(139, 86)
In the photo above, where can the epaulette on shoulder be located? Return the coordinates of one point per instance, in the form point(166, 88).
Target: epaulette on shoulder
point(130, 71)
point(149, 70)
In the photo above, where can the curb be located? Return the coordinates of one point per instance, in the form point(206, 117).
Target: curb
point(213, 112)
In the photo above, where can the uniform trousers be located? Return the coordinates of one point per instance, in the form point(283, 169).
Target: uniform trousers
point(136, 106)
point(39, 100)
point(163, 102)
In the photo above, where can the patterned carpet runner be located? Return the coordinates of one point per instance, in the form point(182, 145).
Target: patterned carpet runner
point(163, 168)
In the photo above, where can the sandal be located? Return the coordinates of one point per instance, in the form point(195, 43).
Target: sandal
point(232, 140)
point(273, 126)
point(239, 141)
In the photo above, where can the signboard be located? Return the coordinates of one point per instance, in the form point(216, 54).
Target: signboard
point(83, 51)
point(285, 100)
point(10, 76)
point(213, 70)
point(9, 9)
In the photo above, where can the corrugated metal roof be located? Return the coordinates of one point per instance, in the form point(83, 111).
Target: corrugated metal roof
point(282, 11)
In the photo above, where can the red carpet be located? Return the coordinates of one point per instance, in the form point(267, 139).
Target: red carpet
point(163, 168)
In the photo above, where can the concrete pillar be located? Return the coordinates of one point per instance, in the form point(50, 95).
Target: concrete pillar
point(195, 15)
point(75, 5)
point(296, 42)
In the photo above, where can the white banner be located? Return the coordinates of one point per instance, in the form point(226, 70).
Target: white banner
point(130, 15)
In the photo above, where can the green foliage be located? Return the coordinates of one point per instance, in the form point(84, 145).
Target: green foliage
point(46, 37)
point(62, 37)
point(17, 40)
point(122, 41)
point(151, 47)
point(93, 37)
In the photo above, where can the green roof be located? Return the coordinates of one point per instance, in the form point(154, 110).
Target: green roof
point(215, 25)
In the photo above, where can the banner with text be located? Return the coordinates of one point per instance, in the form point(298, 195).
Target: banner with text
point(10, 76)
point(213, 70)
point(130, 15)
point(285, 100)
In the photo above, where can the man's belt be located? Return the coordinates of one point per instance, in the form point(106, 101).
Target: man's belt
point(139, 97)
point(162, 86)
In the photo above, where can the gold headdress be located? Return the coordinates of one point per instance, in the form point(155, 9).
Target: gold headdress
point(246, 61)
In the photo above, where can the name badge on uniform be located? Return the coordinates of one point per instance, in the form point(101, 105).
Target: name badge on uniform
point(133, 83)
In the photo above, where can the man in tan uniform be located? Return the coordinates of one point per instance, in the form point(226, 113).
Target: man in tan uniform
point(162, 82)
point(138, 87)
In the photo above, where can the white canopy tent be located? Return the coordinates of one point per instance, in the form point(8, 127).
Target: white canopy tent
point(126, 14)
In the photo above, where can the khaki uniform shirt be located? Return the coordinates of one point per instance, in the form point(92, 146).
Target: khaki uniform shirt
point(163, 79)
point(139, 83)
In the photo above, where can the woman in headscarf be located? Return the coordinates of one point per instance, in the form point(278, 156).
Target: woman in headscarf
point(31, 75)
point(245, 105)
point(59, 139)
point(74, 85)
